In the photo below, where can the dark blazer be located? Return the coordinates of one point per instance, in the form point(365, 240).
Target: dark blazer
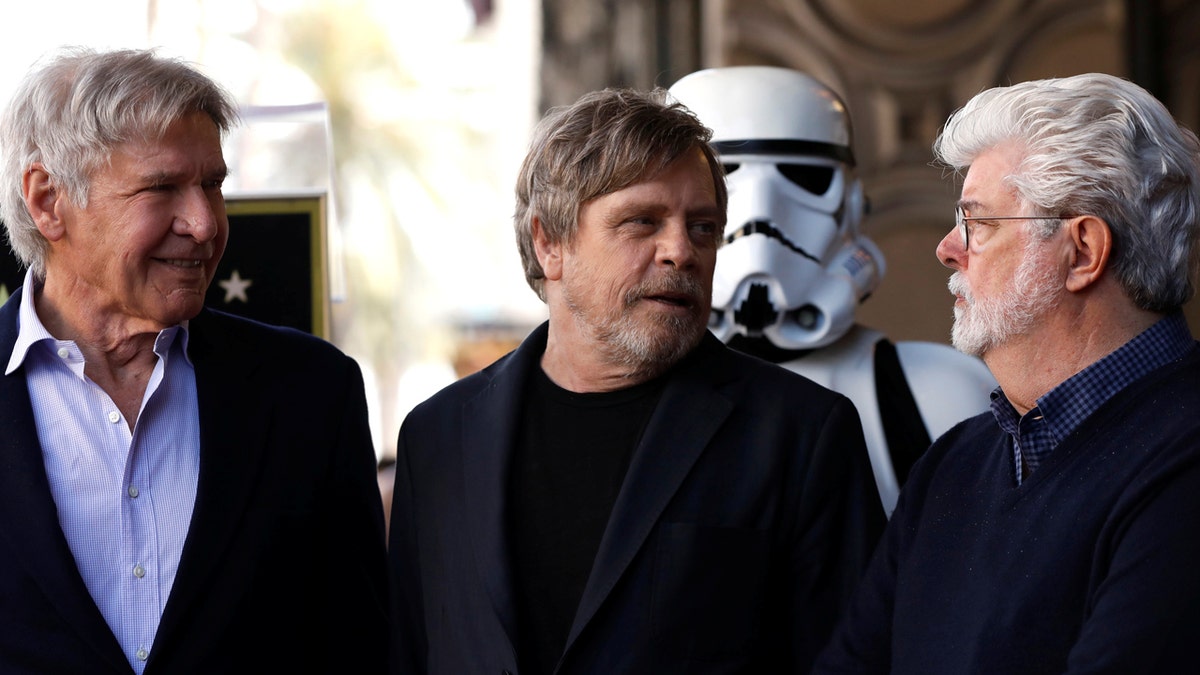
point(744, 521)
point(283, 567)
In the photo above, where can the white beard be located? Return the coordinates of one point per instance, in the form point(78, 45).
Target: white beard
point(985, 323)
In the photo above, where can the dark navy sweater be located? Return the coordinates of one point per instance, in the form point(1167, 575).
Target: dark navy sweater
point(1091, 565)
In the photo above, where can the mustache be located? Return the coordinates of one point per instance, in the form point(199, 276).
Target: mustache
point(958, 286)
point(674, 284)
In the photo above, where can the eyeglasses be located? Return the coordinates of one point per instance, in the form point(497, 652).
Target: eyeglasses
point(961, 219)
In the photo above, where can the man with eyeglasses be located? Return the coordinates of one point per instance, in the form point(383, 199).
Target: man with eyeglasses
point(1061, 531)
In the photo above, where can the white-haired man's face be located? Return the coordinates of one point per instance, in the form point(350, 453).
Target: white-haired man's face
point(1005, 277)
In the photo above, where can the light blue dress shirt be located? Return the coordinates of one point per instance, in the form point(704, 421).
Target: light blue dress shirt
point(124, 499)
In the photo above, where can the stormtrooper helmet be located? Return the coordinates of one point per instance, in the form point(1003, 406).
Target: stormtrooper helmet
point(794, 266)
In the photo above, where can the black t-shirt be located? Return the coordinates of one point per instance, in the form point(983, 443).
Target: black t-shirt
point(572, 453)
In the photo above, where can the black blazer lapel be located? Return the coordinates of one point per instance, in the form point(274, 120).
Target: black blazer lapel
point(232, 442)
point(690, 412)
point(30, 529)
point(489, 425)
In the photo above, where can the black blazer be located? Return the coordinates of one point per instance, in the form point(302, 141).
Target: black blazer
point(283, 567)
point(746, 518)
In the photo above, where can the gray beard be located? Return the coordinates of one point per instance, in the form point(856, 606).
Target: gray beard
point(643, 349)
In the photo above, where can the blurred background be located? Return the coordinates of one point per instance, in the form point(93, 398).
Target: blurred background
point(409, 119)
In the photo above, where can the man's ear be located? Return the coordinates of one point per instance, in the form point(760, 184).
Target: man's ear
point(1092, 242)
point(44, 202)
point(549, 254)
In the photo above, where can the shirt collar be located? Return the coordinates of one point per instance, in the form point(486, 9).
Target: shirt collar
point(1067, 405)
point(31, 331)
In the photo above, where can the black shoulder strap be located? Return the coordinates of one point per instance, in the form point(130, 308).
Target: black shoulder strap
point(907, 437)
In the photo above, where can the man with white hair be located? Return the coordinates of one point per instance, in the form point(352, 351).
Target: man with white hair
point(1058, 532)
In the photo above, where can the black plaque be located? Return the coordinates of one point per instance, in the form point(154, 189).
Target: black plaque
point(274, 266)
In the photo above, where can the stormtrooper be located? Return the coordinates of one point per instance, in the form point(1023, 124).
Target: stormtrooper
point(794, 266)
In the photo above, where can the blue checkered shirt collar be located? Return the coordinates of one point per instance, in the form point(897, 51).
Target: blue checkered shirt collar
point(1061, 410)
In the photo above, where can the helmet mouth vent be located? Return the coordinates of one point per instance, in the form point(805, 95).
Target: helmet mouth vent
point(757, 316)
point(756, 312)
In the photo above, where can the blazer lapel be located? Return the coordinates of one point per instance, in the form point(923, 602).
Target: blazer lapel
point(30, 527)
point(689, 413)
point(489, 425)
point(232, 441)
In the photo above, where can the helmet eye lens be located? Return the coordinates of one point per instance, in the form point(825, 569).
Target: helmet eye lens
point(814, 179)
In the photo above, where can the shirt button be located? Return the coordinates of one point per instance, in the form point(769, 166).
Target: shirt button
point(139, 571)
point(63, 352)
point(114, 417)
point(142, 654)
point(133, 491)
